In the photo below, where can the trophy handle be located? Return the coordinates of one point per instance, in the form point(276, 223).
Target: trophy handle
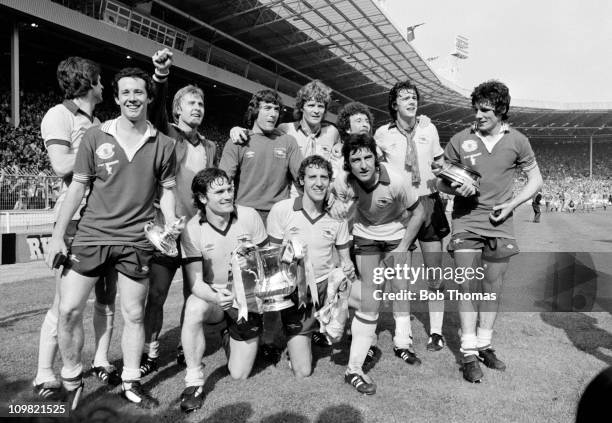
point(286, 259)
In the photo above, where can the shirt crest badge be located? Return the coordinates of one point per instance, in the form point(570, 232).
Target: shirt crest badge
point(469, 145)
point(105, 151)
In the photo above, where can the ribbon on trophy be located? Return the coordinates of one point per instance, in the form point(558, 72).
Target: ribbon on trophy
point(240, 252)
point(333, 315)
point(296, 250)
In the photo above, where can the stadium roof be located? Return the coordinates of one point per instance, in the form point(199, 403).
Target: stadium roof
point(355, 48)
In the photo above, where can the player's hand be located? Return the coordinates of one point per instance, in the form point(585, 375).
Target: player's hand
point(162, 60)
point(349, 270)
point(55, 246)
point(176, 227)
point(501, 212)
point(436, 168)
point(424, 121)
point(463, 190)
point(224, 298)
point(241, 258)
point(239, 135)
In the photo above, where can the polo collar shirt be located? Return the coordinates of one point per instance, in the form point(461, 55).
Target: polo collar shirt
point(497, 162)
point(321, 234)
point(202, 241)
point(380, 210)
point(76, 110)
point(324, 139)
point(194, 138)
point(490, 144)
point(65, 124)
point(262, 169)
point(124, 183)
point(393, 144)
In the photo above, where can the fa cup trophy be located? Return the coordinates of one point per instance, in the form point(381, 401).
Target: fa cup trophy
point(271, 275)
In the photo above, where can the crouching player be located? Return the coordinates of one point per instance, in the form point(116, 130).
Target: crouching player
point(207, 243)
point(305, 219)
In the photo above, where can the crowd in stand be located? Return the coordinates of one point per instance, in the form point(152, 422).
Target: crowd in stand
point(23, 158)
point(564, 165)
point(561, 160)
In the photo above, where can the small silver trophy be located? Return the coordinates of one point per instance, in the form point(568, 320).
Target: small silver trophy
point(163, 237)
point(454, 171)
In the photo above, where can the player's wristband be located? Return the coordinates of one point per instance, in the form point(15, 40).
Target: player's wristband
point(160, 77)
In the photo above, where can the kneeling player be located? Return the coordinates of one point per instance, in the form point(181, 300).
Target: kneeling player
point(305, 219)
point(207, 243)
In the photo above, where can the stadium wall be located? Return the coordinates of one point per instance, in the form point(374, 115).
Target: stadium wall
point(23, 248)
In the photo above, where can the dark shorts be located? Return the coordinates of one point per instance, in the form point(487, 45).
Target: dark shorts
point(436, 226)
point(493, 249)
point(97, 260)
point(105, 289)
point(364, 246)
point(264, 216)
point(302, 321)
point(241, 330)
point(171, 263)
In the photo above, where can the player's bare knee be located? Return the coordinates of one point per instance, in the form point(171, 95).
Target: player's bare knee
point(302, 371)
point(196, 310)
point(133, 314)
point(238, 374)
point(69, 315)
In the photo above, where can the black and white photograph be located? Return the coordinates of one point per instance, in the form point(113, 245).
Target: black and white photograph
point(305, 211)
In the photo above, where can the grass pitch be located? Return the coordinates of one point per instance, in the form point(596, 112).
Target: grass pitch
point(550, 356)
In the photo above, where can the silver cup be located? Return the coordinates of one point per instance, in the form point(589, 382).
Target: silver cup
point(454, 171)
point(163, 237)
point(276, 270)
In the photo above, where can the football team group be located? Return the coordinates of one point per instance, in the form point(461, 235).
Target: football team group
point(358, 200)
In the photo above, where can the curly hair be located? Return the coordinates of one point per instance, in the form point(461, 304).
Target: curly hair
point(349, 109)
point(265, 96)
point(176, 102)
point(496, 94)
point(399, 86)
point(202, 181)
point(76, 76)
point(314, 90)
point(356, 142)
point(133, 73)
point(316, 161)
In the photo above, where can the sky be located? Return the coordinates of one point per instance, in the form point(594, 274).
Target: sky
point(546, 50)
